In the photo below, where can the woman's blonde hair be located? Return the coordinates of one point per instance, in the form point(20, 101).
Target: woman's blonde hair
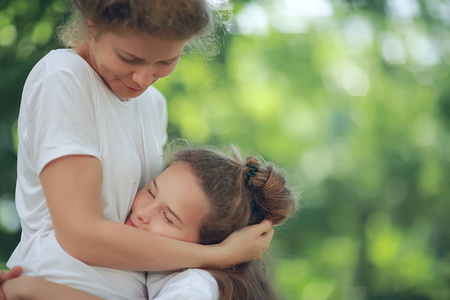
point(192, 20)
point(241, 193)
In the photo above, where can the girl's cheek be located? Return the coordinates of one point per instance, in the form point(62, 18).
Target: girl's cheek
point(168, 231)
point(159, 227)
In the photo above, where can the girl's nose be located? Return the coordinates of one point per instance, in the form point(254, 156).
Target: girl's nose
point(144, 214)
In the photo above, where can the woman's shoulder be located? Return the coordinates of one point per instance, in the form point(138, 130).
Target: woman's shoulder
point(61, 70)
point(64, 58)
point(61, 62)
point(60, 74)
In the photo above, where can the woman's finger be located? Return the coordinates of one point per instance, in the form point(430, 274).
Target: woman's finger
point(268, 234)
point(264, 227)
point(10, 274)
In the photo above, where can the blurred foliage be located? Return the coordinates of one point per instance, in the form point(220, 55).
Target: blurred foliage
point(350, 97)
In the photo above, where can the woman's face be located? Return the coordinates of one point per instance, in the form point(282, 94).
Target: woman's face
point(172, 205)
point(129, 62)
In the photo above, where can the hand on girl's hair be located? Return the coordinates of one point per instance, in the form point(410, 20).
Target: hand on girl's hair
point(251, 241)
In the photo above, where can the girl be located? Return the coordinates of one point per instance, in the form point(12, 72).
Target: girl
point(202, 196)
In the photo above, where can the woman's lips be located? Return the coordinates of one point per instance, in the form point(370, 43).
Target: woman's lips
point(130, 88)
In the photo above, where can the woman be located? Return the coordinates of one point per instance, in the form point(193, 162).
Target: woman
point(187, 202)
point(91, 131)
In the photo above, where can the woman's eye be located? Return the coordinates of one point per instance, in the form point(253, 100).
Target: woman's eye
point(167, 63)
point(126, 60)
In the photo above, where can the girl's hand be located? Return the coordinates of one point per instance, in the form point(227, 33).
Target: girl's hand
point(248, 243)
point(7, 275)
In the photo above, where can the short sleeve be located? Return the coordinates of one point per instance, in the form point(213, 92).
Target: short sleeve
point(59, 118)
point(192, 284)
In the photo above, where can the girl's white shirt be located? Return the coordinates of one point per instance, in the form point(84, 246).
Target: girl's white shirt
point(191, 284)
point(67, 109)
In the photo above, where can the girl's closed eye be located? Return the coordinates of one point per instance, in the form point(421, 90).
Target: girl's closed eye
point(150, 192)
point(168, 220)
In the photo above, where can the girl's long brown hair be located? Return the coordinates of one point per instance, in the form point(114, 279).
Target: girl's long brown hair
point(241, 193)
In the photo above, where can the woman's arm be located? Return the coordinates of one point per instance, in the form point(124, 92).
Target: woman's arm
point(72, 186)
point(32, 288)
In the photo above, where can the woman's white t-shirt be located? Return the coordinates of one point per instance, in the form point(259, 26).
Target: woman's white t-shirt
point(67, 109)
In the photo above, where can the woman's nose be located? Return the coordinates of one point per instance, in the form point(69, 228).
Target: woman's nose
point(143, 76)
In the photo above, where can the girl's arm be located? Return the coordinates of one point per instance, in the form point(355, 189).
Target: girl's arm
point(32, 288)
point(72, 187)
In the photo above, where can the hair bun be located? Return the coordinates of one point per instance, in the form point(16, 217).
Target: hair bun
point(250, 172)
point(251, 168)
point(251, 161)
point(273, 200)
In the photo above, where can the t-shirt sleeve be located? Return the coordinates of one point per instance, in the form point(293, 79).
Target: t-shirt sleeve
point(192, 284)
point(59, 118)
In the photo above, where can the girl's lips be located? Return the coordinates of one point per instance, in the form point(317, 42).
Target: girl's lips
point(130, 223)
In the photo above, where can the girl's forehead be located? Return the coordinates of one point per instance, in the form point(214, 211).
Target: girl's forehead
point(179, 188)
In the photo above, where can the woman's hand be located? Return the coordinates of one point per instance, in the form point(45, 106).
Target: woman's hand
point(8, 275)
point(248, 243)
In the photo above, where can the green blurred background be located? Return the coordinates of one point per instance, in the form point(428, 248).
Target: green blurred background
point(352, 98)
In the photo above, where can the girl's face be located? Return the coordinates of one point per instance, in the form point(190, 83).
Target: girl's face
point(129, 62)
point(172, 205)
